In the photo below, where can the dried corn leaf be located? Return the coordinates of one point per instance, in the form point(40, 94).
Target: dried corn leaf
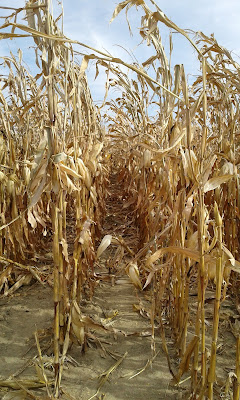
point(79, 332)
point(69, 171)
point(121, 6)
point(184, 365)
point(67, 182)
point(133, 273)
point(35, 197)
point(234, 264)
point(5, 275)
point(22, 280)
point(151, 274)
point(38, 218)
point(173, 249)
point(83, 321)
point(64, 249)
point(167, 150)
point(32, 221)
point(28, 383)
point(215, 182)
point(106, 241)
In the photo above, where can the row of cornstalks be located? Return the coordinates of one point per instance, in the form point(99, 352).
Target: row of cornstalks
point(181, 171)
point(51, 170)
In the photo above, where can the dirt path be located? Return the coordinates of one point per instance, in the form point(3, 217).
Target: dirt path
point(116, 302)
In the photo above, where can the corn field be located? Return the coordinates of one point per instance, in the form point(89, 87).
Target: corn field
point(98, 196)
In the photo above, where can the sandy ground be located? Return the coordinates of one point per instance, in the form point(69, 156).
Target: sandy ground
point(32, 309)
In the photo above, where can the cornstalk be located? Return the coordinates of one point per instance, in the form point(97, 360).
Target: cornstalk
point(202, 278)
point(183, 319)
point(57, 223)
point(60, 269)
point(77, 250)
point(233, 186)
point(183, 309)
point(219, 279)
point(56, 289)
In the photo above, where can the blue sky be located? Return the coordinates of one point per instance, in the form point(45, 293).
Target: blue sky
point(88, 22)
